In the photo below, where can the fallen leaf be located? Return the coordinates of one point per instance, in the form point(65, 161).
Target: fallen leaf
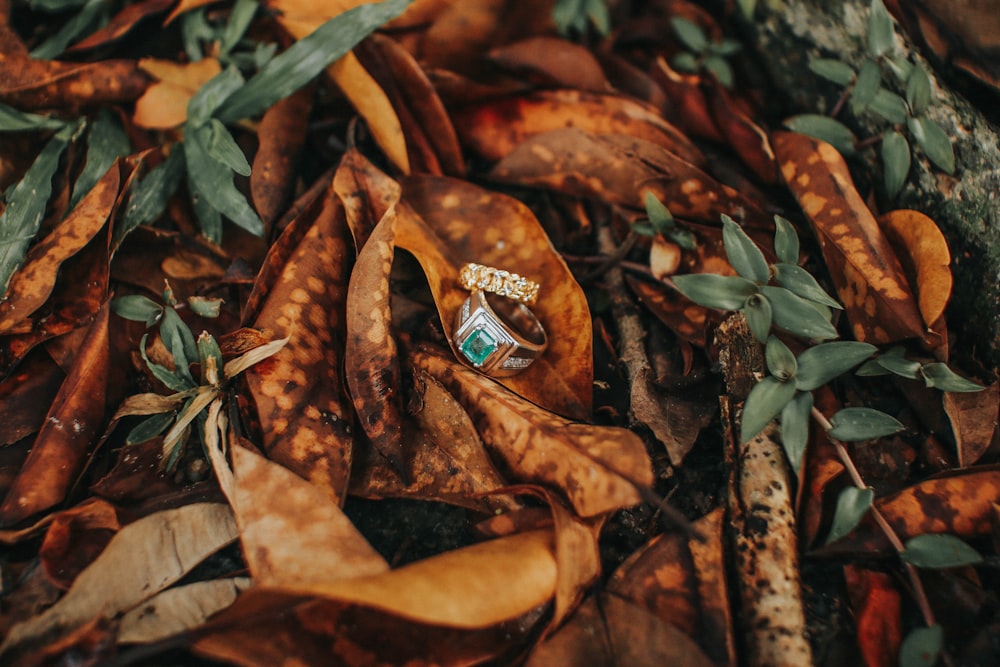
point(868, 276)
point(495, 128)
point(72, 425)
point(144, 558)
point(75, 538)
point(553, 62)
point(25, 396)
point(164, 104)
point(688, 104)
point(747, 139)
point(366, 193)
point(541, 447)
point(281, 136)
point(922, 248)
point(178, 609)
point(973, 418)
point(877, 615)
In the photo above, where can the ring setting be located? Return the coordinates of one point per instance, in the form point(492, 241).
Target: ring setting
point(497, 281)
point(495, 332)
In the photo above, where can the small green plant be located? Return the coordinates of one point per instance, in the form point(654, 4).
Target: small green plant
point(865, 92)
point(659, 221)
point(576, 17)
point(191, 398)
point(799, 306)
point(703, 54)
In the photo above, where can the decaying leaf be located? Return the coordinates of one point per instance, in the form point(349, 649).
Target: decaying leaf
point(178, 609)
point(281, 135)
point(864, 267)
point(75, 537)
point(877, 612)
point(25, 396)
point(973, 419)
point(922, 247)
point(164, 104)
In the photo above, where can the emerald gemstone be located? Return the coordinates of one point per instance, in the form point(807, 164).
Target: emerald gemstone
point(478, 347)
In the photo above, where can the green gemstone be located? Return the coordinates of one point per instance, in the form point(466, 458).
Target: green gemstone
point(479, 346)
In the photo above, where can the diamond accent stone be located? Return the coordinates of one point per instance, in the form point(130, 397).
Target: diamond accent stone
point(478, 346)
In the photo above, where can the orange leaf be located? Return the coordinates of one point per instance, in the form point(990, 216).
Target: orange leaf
point(877, 615)
point(688, 104)
point(864, 267)
point(922, 247)
point(597, 468)
point(973, 419)
point(281, 133)
point(164, 104)
point(748, 139)
point(554, 63)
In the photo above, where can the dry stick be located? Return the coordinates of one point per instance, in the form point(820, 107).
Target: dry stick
point(918, 587)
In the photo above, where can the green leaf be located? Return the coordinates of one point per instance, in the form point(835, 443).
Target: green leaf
point(852, 504)
point(224, 148)
point(714, 291)
point(743, 253)
point(597, 12)
point(304, 60)
point(209, 348)
point(150, 427)
point(151, 194)
point(106, 143)
point(211, 96)
point(795, 428)
point(727, 47)
point(871, 369)
point(757, 310)
point(747, 7)
point(895, 162)
point(209, 218)
point(880, 31)
point(720, 69)
point(856, 424)
point(690, 34)
point(88, 18)
point(12, 120)
point(659, 215)
point(767, 398)
point(922, 647)
point(896, 363)
point(240, 17)
point(786, 241)
point(820, 364)
point(900, 66)
point(212, 181)
point(800, 282)
point(934, 142)
point(172, 381)
point(780, 360)
point(832, 70)
point(889, 105)
point(939, 551)
point(195, 29)
point(137, 308)
point(825, 128)
point(682, 237)
point(26, 204)
point(918, 90)
point(939, 376)
point(684, 62)
point(866, 86)
point(795, 315)
point(205, 306)
point(177, 337)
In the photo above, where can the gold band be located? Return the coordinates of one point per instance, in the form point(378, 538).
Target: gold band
point(497, 281)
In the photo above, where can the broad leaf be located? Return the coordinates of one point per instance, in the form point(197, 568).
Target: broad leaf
point(211, 96)
point(137, 308)
point(720, 69)
point(799, 281)
point(786, 241)
point(934, 142)
point(304, 60)
point(780, 360)
point(889, 105)
point(895, 362)
point(857, 424)
point(852, 504)
point(12, 120)
point(795, 428)
point(820, 364)
point(918, 90)
point(939, 376)
point(150, 427)
point(880, 30)
point(895, 162)
point(866, 87)
point(714, 291)
point(224, 148)
point(832, 70)
point(922, 647)
point(212, 181)
point(743, 253)
point(766, 400)
point(757, 310)
point(659, 215)
point(690, 33)
point(825, 128)
point(939, 551)
point(796, 315)
point(150, 196)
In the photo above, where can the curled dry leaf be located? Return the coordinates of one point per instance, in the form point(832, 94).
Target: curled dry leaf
point(456, 212)
point(32, 284)
point(72, 425)
point(445, 458)
point(144, 558)
point(281, 135)
point(304, 424)
point(178, 609)
point(541, 447)
point(924, 251)
point(366, 192)
point(868, 276)
point(960, 504)
point(496, 127)
point(973, 419)
point(164, 104)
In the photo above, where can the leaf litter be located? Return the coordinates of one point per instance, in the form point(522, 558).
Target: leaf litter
point(589, 533)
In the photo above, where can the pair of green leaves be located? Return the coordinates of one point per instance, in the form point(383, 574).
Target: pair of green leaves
point(934, 374)
point(660, 221)
point(797, 304)
point(575, 17)
point(703, 53)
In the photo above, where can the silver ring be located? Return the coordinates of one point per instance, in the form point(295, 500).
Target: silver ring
point(497, 336)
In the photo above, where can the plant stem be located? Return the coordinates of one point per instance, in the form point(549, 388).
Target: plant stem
point(914, 575)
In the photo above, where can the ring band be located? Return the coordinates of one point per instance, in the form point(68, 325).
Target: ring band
point(497, 336)
point(511, 285)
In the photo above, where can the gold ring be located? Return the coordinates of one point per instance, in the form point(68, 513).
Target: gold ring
point(497, 281)
point(496, 335)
